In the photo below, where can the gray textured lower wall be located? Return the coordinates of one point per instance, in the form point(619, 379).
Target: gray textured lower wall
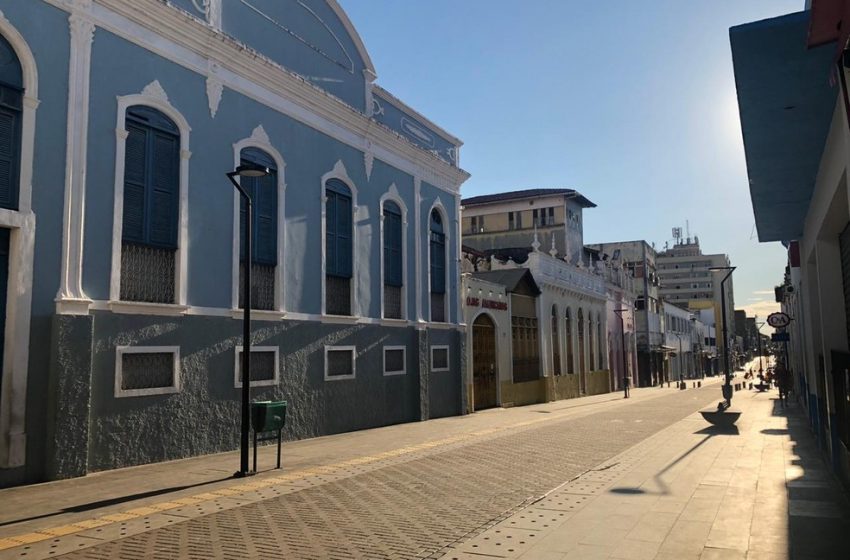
point(69, 396)
point(204, 416)
point(445, 386)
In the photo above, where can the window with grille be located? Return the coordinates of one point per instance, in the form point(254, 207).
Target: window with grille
point(338, 248)
point(437, 246)
point(151, 370)
point(395, 360)
point(11, 105)
point(264, 366)
point(439, 358)
point(556, 343)
point(264, 233)
point(339, 362)
point(151, 204)
point(393, 253)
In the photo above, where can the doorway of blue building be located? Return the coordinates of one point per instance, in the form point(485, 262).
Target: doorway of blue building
point(4, 284)
point(484, 377)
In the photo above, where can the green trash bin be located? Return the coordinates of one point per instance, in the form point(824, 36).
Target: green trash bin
point(268, 416)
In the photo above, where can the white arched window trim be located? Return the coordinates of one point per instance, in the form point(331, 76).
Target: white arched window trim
point(339, 172)
point(21, 224)
point(155, 97)
point(260, 140)
point(438, 206)
point(393, 195)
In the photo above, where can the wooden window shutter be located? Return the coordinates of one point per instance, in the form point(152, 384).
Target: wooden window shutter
point(165, 186)
point(392, 245)
point(9, 150)
point(135, 177)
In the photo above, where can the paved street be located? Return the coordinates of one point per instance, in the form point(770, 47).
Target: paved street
point(564, 479)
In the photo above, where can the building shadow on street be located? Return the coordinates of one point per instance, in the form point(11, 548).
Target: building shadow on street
point(818, 515)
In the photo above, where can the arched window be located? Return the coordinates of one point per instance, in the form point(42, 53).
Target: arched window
point(437, 244)
point(556, 343)
point(568, 328)
point(591, 349)
point(338, 248)
point(151, 207)
point(393, 253)
point(11, 110)
point(263, 192)
point(581, 364)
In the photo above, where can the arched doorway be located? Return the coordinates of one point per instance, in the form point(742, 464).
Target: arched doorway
point(484, 374)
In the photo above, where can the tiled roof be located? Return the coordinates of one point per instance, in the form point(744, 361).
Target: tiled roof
point(525, 194)
point(510, 278)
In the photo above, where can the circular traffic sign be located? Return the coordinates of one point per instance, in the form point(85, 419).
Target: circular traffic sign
point(778, 320)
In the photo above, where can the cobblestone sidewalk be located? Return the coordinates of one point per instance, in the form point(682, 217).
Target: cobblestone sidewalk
point(690, 492)
point(414, 502)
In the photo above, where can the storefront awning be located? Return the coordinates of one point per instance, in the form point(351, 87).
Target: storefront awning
point(785, 101)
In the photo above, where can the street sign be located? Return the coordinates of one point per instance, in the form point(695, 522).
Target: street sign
point(778, 320)
point(780, 337)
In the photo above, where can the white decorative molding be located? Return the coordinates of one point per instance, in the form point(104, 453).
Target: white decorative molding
point(418, 238)
point(155, 90)
point(368, 160)
point(260, 136)
point(71, 297)
point(21, 222)
point(214, 90)
point(153, 95)
point(260, 140)
point(214, 13)
point(194, 44)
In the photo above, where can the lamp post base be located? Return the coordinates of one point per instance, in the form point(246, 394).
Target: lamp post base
point(723, 416)
point(241, 474)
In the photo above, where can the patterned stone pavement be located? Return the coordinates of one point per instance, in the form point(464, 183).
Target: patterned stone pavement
point(411, 505)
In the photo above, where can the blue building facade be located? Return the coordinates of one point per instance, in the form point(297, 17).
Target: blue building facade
point(120, 244)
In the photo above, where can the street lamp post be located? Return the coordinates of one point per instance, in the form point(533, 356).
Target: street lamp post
point(619, 313)
point(246, 170)
point(758, 337)
point(727, 386)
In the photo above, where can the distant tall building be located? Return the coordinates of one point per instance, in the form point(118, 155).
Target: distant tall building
point(685, 279)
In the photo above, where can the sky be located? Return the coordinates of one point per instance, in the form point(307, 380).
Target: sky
point(630, 102)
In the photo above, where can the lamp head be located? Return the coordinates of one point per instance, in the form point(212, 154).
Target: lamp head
point(252, 170)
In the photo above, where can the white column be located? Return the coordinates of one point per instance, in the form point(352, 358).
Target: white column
point(417, 224)
point(71, 299)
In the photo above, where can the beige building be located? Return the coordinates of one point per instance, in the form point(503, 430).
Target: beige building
point(508, 220)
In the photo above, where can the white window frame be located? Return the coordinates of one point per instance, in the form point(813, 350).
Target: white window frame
point(353, 350)
point(339, 172)
point(438, 205)
point(152, 96)
point(393, 195)
point(237, 362)
point(260, 140)
point(448, 357)
point(119, 354)
point(21, 222)
point(403, 371)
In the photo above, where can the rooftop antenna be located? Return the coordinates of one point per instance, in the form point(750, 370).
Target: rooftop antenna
point(688, 231)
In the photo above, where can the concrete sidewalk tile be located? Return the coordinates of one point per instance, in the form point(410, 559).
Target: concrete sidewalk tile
point(604, 535)
point(712, 553)
point(588, 552)
point(635, 550)
point(687, 531)
point(763, 555)
point(726, 538)
point(653, 528)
